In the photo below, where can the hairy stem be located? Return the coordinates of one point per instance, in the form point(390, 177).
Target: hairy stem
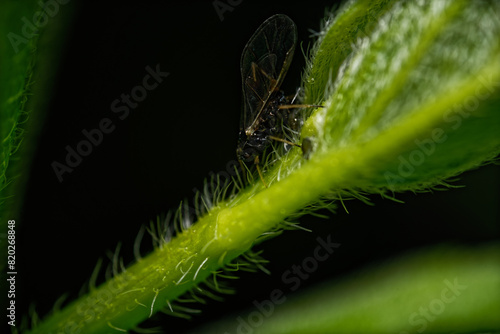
point(413, 102)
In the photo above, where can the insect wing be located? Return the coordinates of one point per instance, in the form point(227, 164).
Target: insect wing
point(264, 63)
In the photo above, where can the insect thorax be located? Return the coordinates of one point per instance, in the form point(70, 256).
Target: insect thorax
point(270, 123)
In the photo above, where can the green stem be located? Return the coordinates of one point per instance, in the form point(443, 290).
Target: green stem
point(370, 125)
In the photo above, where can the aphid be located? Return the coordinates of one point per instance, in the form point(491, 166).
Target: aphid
point(266, 110)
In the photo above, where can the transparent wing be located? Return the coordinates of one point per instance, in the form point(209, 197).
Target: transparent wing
point(264, 63)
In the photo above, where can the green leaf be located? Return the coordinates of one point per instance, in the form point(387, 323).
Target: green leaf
point(16, 71)
point(29, 53)
point(418, 101)
point(412, 102)
point(29, 56)
point(439, 290)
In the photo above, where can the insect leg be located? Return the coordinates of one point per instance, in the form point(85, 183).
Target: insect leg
point(283, 141)
point(256, 68)
point(256, 162)
point(254, 65)
point(297, 106)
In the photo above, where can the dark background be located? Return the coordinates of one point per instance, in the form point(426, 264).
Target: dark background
point(185, 129)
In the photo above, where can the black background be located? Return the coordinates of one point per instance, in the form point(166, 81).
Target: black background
point(185, 129)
